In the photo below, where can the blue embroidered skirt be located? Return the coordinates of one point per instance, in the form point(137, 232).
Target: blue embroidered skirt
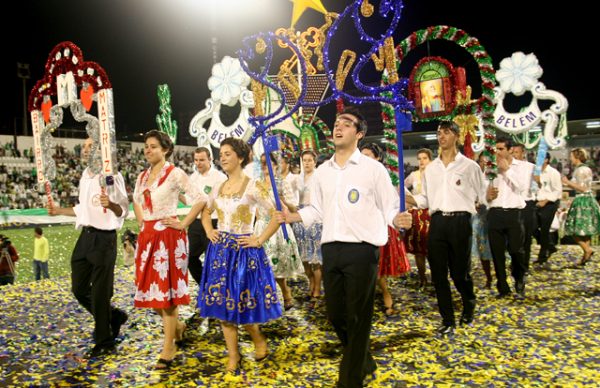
point(237, 285)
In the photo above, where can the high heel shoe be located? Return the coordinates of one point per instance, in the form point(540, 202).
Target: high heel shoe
point(238, 367)
point(258, 357)
point(164, 364)
point(585, 259)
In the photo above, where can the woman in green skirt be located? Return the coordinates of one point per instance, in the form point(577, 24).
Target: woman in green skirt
point(583, 218)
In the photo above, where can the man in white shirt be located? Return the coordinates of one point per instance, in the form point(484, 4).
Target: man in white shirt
point(452, 184)
point(353, 196)
point(98, 215)
point(548, 199)
point(529, 212)
point(205, 179)
point(505, 219)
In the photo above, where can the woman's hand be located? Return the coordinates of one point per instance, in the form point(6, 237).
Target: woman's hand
point(249, 241)
point(173, 223)
point(213, 235)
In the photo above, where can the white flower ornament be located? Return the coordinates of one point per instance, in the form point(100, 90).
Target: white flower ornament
point(227, 81)
point(518, 73)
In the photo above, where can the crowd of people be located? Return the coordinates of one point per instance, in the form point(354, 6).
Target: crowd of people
point(346, 233)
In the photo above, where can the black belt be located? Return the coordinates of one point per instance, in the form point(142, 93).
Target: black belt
point(451, 214)
point(91, 229)
point(504, 209)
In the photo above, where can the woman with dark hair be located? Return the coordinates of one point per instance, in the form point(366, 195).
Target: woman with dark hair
point(238, 286)
point(392, 256)
point(161, 261)
point(583, 218)
point(309, 239)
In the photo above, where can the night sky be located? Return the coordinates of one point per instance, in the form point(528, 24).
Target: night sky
point(143, 43)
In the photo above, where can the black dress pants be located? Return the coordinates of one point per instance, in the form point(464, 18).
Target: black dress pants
point(505, 228)
point(449, 247)
point(198, 244)
point(349, 277)
point(92, 278)
point(545, 217)
point(529, 227)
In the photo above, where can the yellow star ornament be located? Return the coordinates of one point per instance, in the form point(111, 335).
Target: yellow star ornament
point(301, 5)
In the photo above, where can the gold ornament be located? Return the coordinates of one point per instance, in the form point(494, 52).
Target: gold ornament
point(468, 125)
point(259, 92)
point(344, 65)
point(387, 59)
point(366, 9)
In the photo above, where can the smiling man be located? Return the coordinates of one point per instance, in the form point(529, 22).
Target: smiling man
point(353, 196)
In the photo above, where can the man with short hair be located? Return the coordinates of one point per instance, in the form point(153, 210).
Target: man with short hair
point(529, 189)
point(353, 196)
point(99, 214)
point(452, 185)
point(548, 199)
point(205, 179)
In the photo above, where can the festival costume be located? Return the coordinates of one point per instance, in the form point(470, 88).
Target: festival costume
point(309, 239)
point(238, 285)
point(393, 260)
point(161, 258)
point(416, 238)
point(583, 218)
point(283, 254)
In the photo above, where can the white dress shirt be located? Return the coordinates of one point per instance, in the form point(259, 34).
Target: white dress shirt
point(530, 184)
point(511, 185)
point(89, 212)
point(551, 189)
point(206, 183)
point(355, 202)
point(452, 188)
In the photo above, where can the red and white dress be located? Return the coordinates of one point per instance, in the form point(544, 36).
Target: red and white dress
point(161, 258)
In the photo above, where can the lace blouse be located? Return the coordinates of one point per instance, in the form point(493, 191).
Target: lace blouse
point(164, 197)
point(236, 212)
point(583, 176)
point(304, 188)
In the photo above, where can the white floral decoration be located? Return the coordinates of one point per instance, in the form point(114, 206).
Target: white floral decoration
point(227, 81)
point(518, 73)
point(181, 256)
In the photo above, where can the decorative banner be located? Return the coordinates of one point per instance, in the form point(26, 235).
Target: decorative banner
point(163, 120)
point(228, 85)
point(432, 87)
point(483, 107)
point(517, 75)
point(65, 71)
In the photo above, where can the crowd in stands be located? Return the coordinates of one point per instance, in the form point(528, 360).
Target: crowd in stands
point(18, 189)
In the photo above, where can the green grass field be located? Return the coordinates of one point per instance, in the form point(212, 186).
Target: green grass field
point(62, 239)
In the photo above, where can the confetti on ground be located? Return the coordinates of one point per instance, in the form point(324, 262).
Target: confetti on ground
point(550, 339)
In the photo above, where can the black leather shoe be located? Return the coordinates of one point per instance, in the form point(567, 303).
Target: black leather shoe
point(331, 349)
point(118, 319)
point(466, 319)
point(445, 330)
point(101, 351)
point(520, 289)
point(503, 295)
point(541, 260)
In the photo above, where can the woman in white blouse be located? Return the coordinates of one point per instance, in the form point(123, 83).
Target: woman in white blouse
point(162, 254)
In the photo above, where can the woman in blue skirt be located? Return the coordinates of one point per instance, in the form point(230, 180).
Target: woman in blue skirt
point(238, 286)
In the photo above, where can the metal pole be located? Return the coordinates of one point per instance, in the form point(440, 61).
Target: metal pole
point(24, 74)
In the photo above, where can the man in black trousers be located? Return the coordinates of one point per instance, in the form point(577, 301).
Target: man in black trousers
point(98, 215)
point(452, 185)
point(353, 196)
point(505, 219)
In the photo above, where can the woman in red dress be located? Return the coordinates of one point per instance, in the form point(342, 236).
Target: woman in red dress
point(161, 261)
point(416, 238)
